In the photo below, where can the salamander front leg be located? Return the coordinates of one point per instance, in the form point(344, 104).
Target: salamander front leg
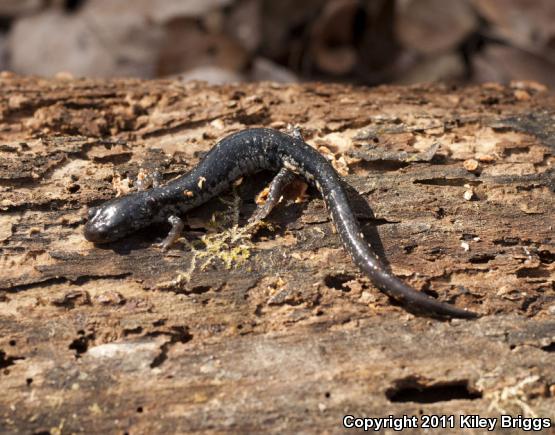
point(282, 179)
point(174, 234)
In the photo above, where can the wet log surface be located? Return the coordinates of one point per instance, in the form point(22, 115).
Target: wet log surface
point(276, 330)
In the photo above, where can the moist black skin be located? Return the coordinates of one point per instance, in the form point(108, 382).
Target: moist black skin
point(244, 153)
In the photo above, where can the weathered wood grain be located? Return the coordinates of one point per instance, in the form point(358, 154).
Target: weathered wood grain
point(279, 331)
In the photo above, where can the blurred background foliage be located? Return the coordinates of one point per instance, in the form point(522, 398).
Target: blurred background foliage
point(355, 41)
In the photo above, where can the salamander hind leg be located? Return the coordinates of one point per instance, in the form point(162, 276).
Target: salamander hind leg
point(280, 181)
point(295, 131)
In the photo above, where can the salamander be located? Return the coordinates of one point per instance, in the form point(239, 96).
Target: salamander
point(243, 153)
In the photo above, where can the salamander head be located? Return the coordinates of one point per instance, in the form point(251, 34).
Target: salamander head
point(119, 217)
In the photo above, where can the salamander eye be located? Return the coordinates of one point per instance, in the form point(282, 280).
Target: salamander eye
point(91, 212)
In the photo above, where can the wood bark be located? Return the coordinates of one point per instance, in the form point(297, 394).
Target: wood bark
point(275, 331)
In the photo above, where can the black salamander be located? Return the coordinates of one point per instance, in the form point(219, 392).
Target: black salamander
point(248, 152)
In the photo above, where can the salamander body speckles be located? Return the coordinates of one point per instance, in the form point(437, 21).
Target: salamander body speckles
point(244, 153)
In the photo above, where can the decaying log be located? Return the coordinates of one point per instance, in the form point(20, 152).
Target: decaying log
point(276, 330)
